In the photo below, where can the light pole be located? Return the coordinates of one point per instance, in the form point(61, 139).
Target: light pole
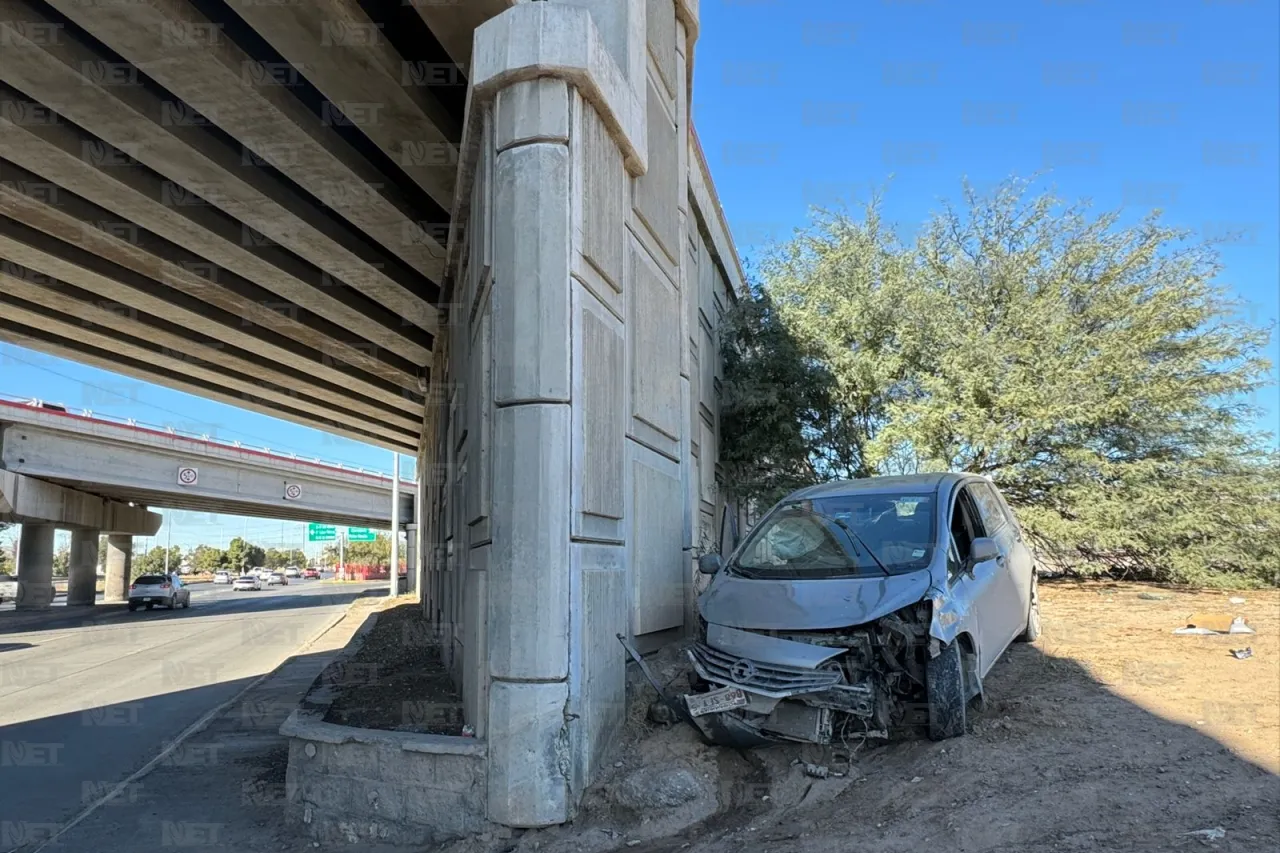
point(168, 542)
point(395, 524)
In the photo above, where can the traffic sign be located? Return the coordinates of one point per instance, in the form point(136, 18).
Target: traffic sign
point(321, 532)
point(187, 476)
point(292, 491)
point(360, 534)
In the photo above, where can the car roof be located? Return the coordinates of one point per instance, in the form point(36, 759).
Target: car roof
point(881, 485)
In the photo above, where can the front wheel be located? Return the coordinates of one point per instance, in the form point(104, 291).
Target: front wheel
point(132, 607)
point(944, 684)
point(1032, 631)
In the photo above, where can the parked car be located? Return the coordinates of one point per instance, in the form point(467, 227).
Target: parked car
point(310, 574)
point(861, 608)
point(277, 579)
point(291, 572)
point(246, 583)
point(166, 590)
point(222, 577)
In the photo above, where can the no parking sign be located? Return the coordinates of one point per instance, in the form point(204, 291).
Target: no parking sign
point(187, 476)
point(292, 491)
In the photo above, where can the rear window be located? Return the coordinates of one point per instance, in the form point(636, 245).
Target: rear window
point(149, 579)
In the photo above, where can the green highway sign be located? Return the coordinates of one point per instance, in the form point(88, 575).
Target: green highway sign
point(360, 534)
point(321, 532)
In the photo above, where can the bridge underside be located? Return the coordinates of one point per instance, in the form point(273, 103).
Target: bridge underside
point(246, 201)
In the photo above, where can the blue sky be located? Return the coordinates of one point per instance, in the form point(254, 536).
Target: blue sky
point(1171, 104)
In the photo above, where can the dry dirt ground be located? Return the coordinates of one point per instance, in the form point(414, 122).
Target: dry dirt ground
point(1109, 733)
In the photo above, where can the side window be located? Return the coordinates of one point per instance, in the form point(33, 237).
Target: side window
point(965, 527)
point(989, 507)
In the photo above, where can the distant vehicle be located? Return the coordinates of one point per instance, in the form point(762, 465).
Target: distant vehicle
point(277, 579)
point(262, 573)
point(246, 583)
point(310, 574)
point(291, 572)
point(149, 590)
point(222, 577)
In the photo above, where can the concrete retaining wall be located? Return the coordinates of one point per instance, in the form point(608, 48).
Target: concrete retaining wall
point(349, 785)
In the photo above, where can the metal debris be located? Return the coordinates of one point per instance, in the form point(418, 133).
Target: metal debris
point(1242, 654)
point(817, 771)
point(1215, 834)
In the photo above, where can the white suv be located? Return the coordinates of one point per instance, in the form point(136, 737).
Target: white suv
point(149, 590)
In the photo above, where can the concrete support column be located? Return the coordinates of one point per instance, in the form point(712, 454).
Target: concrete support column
point(119, 566)
point(35, 567)
point(82, 572)
point(411, 551)
point(536, 67)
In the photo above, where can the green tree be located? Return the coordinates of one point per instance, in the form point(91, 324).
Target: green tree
point(1097, 371)
point(207, 559)
point(243, 556)
point(62, 562)
point(279, 558)
point(7, 562)
point(153, 562)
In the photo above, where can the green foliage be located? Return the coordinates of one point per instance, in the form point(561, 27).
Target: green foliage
point(277, 558)
point(8, 565)
point(206, 559)
point(243, 556)
point(61, 562)
point(152, 562)
point(1097, 372)
point(375, 553)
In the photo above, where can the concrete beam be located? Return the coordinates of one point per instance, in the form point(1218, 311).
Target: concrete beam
point(74, 220)
point(26, 500)
point(353, 64)
point(52, 150)
point(35, 567)
point(454, 24)
point(110, 360)
point(82, 568)
point(185, 52)
point(128, 292)
point(49, 70)
point(170, 354)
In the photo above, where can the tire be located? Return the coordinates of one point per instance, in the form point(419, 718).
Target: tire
point(186, 602)
point(133, 608)
point(944, 684)
point(170, 605)
point(1032, 631)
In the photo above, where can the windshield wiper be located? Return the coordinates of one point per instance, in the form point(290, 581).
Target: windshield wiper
point(863, 545)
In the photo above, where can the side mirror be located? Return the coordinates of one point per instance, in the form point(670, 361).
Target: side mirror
point(709, 564)
point(984, 548)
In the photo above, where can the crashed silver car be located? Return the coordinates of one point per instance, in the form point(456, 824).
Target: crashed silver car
point(860, 609)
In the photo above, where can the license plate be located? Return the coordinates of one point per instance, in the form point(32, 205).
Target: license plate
point(715, 701)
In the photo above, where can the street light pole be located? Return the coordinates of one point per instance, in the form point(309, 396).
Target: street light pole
point(168, 542)
point(395, 524)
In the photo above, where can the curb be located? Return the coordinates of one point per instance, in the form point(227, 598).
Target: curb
point(195, 728)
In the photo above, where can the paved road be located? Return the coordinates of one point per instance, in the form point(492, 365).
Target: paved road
point(88, 695)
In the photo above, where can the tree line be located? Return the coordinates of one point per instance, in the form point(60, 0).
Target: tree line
point(1097, 371)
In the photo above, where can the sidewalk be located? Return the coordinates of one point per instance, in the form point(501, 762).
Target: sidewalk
point(223, 788)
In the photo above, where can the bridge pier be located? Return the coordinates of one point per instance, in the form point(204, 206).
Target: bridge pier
point(35, 567)
point(119, 564)
point(82, 569)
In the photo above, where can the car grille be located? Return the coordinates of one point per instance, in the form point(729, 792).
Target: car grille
point(767, 679)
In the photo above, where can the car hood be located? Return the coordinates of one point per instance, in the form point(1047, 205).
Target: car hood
point(807, 605)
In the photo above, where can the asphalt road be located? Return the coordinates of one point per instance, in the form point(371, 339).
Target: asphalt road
point(89, 695)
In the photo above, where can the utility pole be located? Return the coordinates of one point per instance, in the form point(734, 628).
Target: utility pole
point(168, 541)
point(342, 554)
point(395, 524)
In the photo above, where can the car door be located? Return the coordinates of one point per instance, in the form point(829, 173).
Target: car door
point(1012, 589)
point(974, 593)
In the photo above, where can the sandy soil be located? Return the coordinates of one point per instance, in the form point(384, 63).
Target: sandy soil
point(1109, 733)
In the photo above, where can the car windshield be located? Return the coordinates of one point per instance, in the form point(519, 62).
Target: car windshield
point(841, 536)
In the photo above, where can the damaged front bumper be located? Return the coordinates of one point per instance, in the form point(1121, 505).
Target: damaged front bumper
point(779, 702)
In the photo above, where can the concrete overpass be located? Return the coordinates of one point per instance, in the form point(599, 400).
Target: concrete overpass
point(481, 232)
point(95, 475)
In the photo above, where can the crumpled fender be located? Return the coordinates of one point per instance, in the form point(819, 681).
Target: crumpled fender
point(811, 604)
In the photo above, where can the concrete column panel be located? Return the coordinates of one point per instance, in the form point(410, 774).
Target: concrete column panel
point(35, 567)
point(82, 572)
point(531, 275)
point(532, 111)
point(119, 566)
point(528, 753)
point(529, 563)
